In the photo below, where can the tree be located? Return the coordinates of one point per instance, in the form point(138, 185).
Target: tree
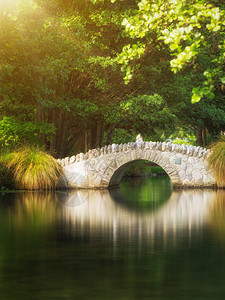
point(148, 114)
point(53, 70)
point(60, 64)
point(189, 28)
point(47, 75)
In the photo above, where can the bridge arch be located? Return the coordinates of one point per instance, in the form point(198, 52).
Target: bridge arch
point(186, 165)
point(117, 168)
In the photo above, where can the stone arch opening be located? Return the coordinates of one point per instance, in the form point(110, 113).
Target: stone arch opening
point(116, 169)
point(120, 172)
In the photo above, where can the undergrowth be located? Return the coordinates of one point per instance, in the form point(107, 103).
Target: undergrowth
point(31, 168)
point(217, 160)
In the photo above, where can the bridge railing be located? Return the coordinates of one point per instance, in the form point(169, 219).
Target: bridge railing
point(155, 146)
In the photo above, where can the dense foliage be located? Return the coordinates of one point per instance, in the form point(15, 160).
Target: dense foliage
point(76, 74)
point(189, 28)
point(14, 132)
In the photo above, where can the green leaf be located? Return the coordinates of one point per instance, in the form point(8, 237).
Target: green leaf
point(195, 98)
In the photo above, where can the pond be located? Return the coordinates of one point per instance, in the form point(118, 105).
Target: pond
point(143, 240)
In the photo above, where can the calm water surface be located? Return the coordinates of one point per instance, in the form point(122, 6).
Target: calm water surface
point(142, 241)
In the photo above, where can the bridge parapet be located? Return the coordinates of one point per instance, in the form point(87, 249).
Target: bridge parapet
point(114, 148)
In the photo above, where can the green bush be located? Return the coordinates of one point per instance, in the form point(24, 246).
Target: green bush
point(217, 160)
point(14, 132)
point(32, 168)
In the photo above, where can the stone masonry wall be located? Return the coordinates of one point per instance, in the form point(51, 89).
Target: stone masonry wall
point(186, 165)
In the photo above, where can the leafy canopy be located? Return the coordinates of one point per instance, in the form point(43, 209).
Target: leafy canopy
point(187, 28)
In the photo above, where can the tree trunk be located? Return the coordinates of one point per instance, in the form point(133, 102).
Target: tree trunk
point(40, 117)
point(63, 136)
point(99, 134)
point(87, 140)
point(199, 141)
point(69, 137)
point(110, 135)
point(96, 135)
point(204, 137)
point(54, 119)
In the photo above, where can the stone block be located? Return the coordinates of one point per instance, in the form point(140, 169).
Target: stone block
point(191, 150)
point(63, 162)
point(195, 153)
point(114, 148)
point(109, 149)
point(66, 160)
point(184, 149)
point(120, 147)
point(147, 146)
point(169, 146)
point(81, 156)
point(72, 159)
point(152, 145)
point(164, 146)
point(158, 146)
point(178, 161)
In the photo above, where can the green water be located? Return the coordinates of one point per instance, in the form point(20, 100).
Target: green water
point(142, 241)
point(145, 193)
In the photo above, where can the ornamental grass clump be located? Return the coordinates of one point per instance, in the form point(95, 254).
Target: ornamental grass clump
point(32, 169)
point(217, 161)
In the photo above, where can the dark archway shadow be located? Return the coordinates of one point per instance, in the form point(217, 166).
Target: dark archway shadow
point(120, 172)
point(143, 194)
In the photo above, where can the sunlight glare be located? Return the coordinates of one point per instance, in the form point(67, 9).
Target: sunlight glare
point(7, 2)
point(14, 3)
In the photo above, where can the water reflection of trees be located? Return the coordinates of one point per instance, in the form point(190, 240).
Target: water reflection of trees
point(29, 209)
point(99, 214)
point(217, 214)
point(97, 211)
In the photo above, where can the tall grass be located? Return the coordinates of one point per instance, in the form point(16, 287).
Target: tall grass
point(217, 160)
point(32, 168)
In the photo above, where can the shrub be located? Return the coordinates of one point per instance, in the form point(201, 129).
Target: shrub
point(14, 132)
point(217, 160)
point(32, 169)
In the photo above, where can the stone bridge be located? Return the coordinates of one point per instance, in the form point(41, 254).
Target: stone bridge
point(186, 165)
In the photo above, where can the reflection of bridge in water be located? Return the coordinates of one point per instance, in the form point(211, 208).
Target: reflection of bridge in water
point(96, 212)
